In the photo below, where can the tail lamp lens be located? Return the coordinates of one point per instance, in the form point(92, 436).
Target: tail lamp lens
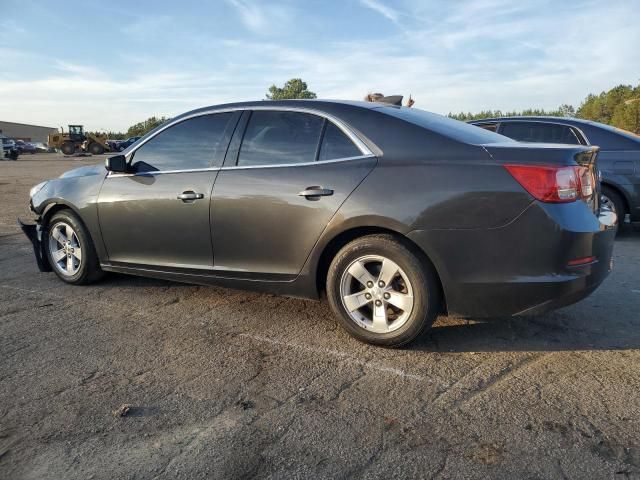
point(554, 184)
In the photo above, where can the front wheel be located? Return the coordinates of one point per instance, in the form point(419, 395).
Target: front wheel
point(70, 250)
point(68, 148)
point(382, 291)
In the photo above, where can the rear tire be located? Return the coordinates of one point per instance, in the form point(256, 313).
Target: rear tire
point(96, 149)
point(382, 291)
point(614, 200)
point(70, 250)
point(68, 148)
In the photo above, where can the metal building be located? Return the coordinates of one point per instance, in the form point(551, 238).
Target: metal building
point(28, 133)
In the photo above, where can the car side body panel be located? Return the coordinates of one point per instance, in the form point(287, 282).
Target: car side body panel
point(80, 194)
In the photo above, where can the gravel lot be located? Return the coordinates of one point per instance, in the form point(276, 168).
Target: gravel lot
point(229, 384)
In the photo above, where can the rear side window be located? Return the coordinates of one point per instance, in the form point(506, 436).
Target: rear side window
point(196, 143)
point(539, 132)
point(335, 144)
point(274, 138)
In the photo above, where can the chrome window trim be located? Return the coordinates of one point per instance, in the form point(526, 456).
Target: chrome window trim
point(241, 167)
point(339, 123)
point(302, 164)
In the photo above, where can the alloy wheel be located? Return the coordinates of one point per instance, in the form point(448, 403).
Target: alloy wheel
point(376, 294)
point(65, 249)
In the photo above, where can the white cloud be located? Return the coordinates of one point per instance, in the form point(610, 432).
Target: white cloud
point(262, 19)
point(384, 10)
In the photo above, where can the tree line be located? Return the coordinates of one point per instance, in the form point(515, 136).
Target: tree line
point(619, 107)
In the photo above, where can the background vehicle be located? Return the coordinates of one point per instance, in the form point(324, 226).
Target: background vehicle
point(618, 160)
point(121, 145)
point(394, 213)
point(25, 147)
point(76, 138)
point(42, 147)
point(9, 149)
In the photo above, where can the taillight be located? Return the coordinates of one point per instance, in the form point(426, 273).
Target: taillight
point(554, 184)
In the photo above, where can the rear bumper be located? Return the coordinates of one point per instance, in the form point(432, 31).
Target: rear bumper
point(34, 234)
point(522, 268)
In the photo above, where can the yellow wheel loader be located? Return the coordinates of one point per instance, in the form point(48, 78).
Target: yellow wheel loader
point(76, 138)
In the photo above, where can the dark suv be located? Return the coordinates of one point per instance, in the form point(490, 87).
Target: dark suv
point(619, 158)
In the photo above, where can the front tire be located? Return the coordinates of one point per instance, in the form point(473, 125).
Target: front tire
point(70, 250)
point(382, 291)
point(68, 148)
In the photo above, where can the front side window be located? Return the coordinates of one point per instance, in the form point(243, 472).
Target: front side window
point(538, 132)
point(192, 144)
point(335, 144)
point(274, 138)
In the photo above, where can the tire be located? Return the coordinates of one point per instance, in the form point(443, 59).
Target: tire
point(614, 200)
point(84, 270)
point(68, 148)
point(414, 285)
point(96, 148)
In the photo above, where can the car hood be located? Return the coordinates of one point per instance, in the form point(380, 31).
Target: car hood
point(85, 171)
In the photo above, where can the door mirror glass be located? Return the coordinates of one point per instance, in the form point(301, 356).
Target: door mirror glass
point(117, 164)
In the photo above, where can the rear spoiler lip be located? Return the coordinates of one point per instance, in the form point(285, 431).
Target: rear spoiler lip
point(539, 153)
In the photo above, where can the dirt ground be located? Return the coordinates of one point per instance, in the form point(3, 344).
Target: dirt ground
point(230, 384)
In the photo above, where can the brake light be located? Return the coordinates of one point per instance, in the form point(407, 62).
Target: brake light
point(581, 261)
point(554, 184)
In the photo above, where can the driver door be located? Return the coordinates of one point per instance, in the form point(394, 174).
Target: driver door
point(158, 215)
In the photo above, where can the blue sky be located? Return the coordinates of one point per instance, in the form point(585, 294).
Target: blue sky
point(109, 64)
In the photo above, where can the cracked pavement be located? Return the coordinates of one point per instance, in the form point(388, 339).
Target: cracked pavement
point(231, 384)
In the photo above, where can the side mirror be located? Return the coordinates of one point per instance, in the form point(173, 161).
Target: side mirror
point(117, 164)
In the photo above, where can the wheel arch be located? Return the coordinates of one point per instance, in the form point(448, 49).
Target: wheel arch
point(339, 240)
point(55, 206)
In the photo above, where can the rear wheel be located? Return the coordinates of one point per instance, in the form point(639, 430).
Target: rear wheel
point(70, 250)
point(382, 292)
point(96, 148)
point(68, 148)
point(611, 199)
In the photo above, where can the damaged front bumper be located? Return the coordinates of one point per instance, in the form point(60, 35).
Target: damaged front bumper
point(34, 233)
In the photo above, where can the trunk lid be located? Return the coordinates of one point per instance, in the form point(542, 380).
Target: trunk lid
point(585, 157)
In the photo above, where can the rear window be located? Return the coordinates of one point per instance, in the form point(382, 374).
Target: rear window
point(280, 138)
point(454, 129)
point(539, 132)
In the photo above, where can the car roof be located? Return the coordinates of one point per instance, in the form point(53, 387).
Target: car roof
point(439, 124)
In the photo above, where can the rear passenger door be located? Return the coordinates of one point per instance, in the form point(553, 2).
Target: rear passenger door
point(285, 175)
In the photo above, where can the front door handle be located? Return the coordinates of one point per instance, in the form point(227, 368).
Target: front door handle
point(190, 196)
point(311, 192)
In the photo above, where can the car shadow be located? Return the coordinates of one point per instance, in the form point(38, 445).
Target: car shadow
point(557, 331)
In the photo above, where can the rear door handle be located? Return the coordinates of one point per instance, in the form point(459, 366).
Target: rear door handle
point(316, 192)
point(190, 196)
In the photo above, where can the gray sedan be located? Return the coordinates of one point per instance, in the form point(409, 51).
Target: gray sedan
point(393, 214)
